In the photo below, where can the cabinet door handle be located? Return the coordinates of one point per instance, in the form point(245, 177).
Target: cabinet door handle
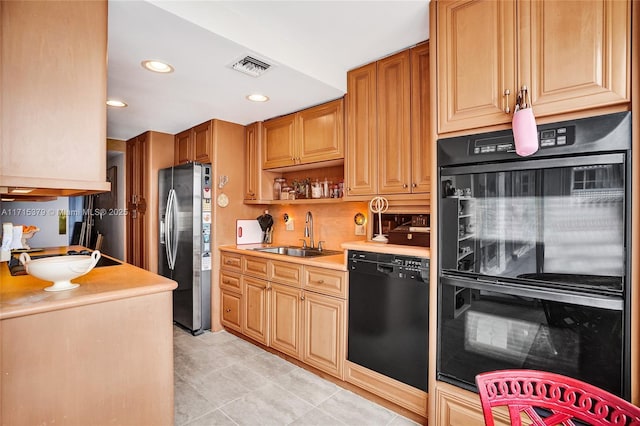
point(405, 186)
point(302, 297)
point(507, 109)
point(228, 310)
point(414, 185)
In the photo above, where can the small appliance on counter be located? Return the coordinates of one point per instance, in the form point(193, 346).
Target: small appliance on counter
point(406, 229)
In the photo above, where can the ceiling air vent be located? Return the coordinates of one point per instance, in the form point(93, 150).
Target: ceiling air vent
point(251, 66)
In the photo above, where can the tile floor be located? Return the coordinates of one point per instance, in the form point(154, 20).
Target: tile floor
point(221, 379)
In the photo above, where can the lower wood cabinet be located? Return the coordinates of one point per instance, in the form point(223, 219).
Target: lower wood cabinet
point(255, 313)
point(286, 316)
point(324, 332)
point(231, 309)
point(296, 309)
point(457, 407)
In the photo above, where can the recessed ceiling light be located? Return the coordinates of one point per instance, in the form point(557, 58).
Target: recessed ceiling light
point(257, 97)
point(157, 66)
point(115, 103)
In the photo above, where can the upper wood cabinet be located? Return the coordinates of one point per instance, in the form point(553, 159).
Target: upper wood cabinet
point(571, 55)
point(420, 119)
point(362, 131)
point(195, 144)
point(309, 136)
point(54, 85)
point(394, 123)
point(252, 181)
point(388, 125)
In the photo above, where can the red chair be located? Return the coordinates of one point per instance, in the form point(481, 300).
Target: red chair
point(551, 399)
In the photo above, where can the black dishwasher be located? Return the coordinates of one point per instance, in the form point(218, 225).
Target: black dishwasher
point(389, 315)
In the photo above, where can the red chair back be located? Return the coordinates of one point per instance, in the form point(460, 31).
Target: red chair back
point(551, 399)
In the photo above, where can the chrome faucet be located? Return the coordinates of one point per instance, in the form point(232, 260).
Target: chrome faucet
point(308, 228)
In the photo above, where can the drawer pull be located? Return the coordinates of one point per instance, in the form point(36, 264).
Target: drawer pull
point(228, 310)
point(226, 281)
point(319, 281)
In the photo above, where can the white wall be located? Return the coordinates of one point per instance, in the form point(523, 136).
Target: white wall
point(44, 215)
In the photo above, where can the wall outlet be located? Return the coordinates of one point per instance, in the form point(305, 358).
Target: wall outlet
point(289, 225)
point(360, 230)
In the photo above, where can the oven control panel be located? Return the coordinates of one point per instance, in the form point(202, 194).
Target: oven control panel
point(547, 138)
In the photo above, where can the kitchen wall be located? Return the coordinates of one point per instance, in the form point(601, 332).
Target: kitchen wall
point(42, 214)
point(332, 223)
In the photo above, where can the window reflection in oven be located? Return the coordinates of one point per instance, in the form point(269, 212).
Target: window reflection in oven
point(485, 330)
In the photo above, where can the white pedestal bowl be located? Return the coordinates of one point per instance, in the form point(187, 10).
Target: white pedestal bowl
point(60, 269)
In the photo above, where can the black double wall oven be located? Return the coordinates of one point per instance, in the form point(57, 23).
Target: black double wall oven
point(534, 264)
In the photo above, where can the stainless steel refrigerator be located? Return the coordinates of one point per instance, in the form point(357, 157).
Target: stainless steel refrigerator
point(185, 241)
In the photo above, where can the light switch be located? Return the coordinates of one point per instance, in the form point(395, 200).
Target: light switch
point(360, 230)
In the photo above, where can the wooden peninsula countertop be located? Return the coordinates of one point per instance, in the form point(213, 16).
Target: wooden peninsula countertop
point(24, 295)
point(100, 353)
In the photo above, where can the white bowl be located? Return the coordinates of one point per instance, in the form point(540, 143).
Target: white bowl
point(60, 269)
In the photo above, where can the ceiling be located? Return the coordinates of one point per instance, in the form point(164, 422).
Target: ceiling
point(310, 46)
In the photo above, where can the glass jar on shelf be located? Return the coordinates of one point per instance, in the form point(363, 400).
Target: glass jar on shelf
point(277, 187)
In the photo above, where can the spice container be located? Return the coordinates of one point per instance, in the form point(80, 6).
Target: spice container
point(284, 193)
point(316, 189)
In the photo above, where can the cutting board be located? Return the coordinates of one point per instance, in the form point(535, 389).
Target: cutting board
point(248, 231)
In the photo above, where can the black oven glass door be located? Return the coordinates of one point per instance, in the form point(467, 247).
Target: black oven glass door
point(486, 326)
point(540, 220)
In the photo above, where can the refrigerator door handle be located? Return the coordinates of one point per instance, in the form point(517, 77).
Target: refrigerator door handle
point(174, 228)
point(168, 230)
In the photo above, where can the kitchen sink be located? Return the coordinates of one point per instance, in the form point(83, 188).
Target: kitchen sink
point(297, 251)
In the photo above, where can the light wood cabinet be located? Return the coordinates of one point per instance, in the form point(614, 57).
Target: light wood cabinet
point(183, 147)
point(146, 155)
point(231, 261)
point(54, 86)
point(230, 281)
point(255, 313)
point(420, 119)
point(324, 332)
point(253, 169)
point(296, 309)
point(285, 272)
point(286, 316)
point(362, 146)
point(394, 124)
point(309, 136)
point(388, 125)
point(457, 407)
point(278, 142)
point(570, 55)
point(231, 309)
point(195, 144)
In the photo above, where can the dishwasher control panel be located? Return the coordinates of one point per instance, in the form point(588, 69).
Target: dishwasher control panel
point(405, 267)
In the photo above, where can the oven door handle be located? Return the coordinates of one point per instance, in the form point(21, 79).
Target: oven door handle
point(538, 163)
point(551, 294)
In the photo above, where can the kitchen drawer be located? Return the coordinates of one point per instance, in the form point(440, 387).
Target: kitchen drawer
point(286, 273)
point(230, 281)
point(231, 310)
point(255, 266)
point(326, 281)
point(231, 261)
